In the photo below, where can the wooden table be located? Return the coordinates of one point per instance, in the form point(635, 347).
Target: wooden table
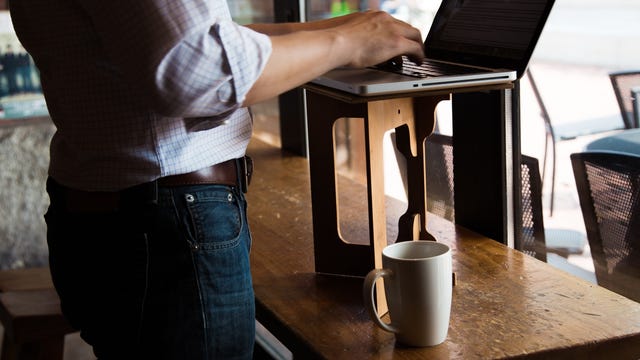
point(505, 304)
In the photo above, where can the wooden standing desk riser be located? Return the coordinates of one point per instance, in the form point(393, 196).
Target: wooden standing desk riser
point(505, 304)
point(379, 117)
point(412, 115)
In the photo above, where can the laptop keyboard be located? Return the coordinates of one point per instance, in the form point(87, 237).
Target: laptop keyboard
point(426, 69)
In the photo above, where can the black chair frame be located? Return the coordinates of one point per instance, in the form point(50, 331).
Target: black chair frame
point(608, 185)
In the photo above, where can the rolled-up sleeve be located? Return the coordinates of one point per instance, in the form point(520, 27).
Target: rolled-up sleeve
point(246, 55)
point(209, 73)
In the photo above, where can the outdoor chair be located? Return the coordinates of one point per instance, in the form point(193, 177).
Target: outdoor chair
point(622, 82)
point(608, 186)
point(532, 240)
point(536, 239)
point(439, 175)
point(440, 201)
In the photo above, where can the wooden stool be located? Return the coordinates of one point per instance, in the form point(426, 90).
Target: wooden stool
point(25, 279)
point(34, 327)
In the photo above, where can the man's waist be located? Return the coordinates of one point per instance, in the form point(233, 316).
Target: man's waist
point(234, 172)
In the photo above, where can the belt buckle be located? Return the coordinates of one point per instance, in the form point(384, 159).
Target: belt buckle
point(245, 170)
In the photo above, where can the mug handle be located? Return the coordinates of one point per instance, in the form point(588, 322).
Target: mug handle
point(368, 295)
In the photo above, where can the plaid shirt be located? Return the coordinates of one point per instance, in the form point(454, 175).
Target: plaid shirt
point(140, 89)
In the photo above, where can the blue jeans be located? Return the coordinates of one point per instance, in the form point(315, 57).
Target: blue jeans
point(157, 281)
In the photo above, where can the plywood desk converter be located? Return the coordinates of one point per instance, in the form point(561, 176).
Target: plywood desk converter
point(505, 304)
point(412, 116)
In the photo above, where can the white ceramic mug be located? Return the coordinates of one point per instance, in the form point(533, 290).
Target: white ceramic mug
point(418, 287)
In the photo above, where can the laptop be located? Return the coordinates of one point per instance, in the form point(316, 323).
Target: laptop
point(470, 43)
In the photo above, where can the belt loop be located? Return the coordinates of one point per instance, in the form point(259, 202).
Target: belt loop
point(153, 193)
point(244, 169)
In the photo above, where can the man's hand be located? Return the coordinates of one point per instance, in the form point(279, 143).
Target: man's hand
point(375, 37)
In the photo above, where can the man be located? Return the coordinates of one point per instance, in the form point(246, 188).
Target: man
point(147, 230)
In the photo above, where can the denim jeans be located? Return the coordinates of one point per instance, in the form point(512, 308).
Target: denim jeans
point(165, 281)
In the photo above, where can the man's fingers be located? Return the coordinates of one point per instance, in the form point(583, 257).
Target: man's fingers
point(377, 37)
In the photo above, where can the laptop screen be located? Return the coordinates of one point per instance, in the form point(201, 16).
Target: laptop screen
point(488, 33)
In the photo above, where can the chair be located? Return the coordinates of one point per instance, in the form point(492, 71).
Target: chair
point(532, 239)
point(608, 186)
point(33, 324)
point(439, 175)
point(440, 200)
point(622, 82)
point(34, 327)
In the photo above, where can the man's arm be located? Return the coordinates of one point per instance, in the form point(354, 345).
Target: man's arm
point(273, 29)
point(308, 50)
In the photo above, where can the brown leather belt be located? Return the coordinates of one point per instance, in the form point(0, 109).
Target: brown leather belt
point(225, 173)
point(235, 172)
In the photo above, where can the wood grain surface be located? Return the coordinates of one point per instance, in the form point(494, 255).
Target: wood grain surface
point(505, 304)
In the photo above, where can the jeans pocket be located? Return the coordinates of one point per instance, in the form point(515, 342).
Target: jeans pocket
point(215, 219)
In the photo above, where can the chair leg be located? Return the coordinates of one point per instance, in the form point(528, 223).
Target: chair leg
point(553, 177)
point(544, 158)
point(549, 134)
point(8, 349)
